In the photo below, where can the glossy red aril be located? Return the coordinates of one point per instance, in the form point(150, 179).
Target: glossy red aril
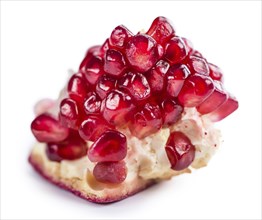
point(110, 172)
point(47, 129)
point(104, 48)
point(146, 121)
point(171, 111)
point(195, 90)
point(93, 127)
point(92, 104)
point(189, 45)
point(119, 37)
point(117, 107)
point(161, 30)
point(197, 65)
point(104, 85)
point(136, 84)
point(115, 63)
point(77, 87)
point(175, 79)
point(110, 146)
point(92, 52)
point(69, 113)
point(215, 72)
point(175, 50)
point(217, 98)
point(156, 76)
point(180, 151)
point(142, 52)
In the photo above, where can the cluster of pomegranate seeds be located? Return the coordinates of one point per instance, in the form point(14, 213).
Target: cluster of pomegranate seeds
point(143, 82)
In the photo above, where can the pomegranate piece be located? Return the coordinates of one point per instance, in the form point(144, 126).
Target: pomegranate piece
point(227, 108)
point(195, 90)
point(146, 121)
point(69, 113)
point(180, 151)
point(215, 72)
point(217, 98)
point(92, 52)
point(117, 107)
point(142, 52)
point(156, 76)
point(115, 63)
point(104, 48)
point(70, 149)
point(77, 87)
point(47, 129)
point(92, 104)
point(171, 111)
point(189, 45)
point(104, 85)
point(110, 172)
point(197, 65)
point(136, 84)
point(93, 127)
point(110, 146)
point(175, 79)
point(175, 50)
point(161, 30)
point(119, 37)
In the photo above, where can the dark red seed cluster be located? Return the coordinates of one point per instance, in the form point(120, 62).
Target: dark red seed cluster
point(142, 82)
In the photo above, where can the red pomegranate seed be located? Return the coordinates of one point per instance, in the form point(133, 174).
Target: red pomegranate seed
point(180, 151)
point(175, 79)
point(197, 65)
point(198, 54)
point(161, 30)
point(217, 98)
point(175, 50)
point(119, 37)
point(110, 146)
point(227, 108)
point(142, 52)
point(110, 172)
point(92, 104)
point(117, 107)
point(47, 129)
point(104, 85)
point(156, 76)
point(147, 121)
point(215, 72)
point(189, 45)
point(70, 149)
point(104, 48)
point(77, 87)
point(171, 111)
point(115, 63)
point(69, 113)
point(195, 90)
point(93, 51)
point(93, 127)
point(136, 84)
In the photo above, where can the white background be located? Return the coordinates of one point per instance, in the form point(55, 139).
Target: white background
point(40, 41)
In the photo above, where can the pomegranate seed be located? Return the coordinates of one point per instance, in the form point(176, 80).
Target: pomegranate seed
point(77, 87)
point(197, 65)
point(117, 107)
point(175, 50)
point(110, 146)
point(217, 98)
point(171, 111)
point(198, 54)
point(115, 63)
point(69, 113)
point(161, 30)
point(156, 76)
point(93, 69)
point(47, 129)
point(147, 121)
point(215, 72)
point(104, 48)
point(189, 45)
point(93, 51)
point(195, 90)
point(180, 151)
point(70, 149)
point(92, 104)
point(142, 52)
point(93, 127)
point(119, 37)
point(104, 85)
point(136, 84)
point(175, 79)
point(110, 172)
point(227, 108)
